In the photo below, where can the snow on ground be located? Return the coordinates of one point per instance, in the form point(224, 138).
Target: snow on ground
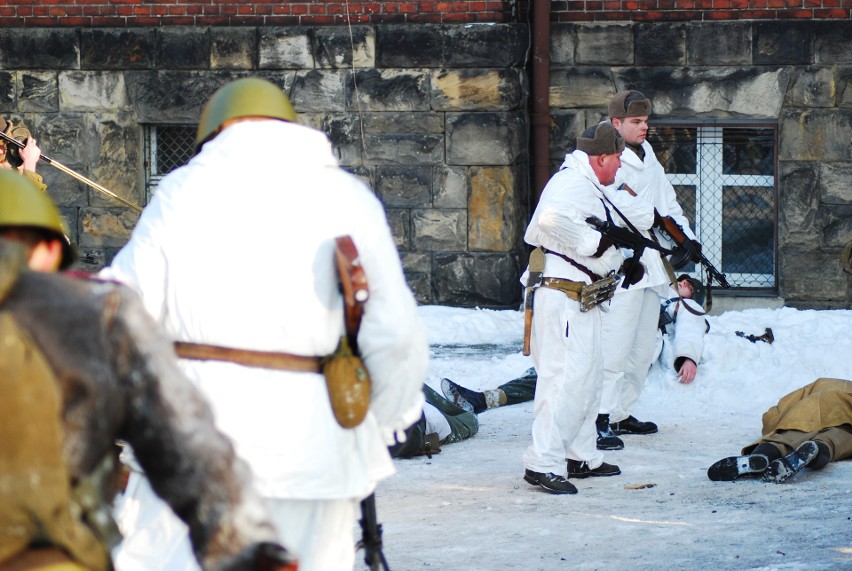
point(468, 508)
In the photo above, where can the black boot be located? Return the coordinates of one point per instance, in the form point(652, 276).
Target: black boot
point(632, 426)
point(550, 482)
point(606, 439)
point(731, 468)
point(785, 468)
point(471, 401)
point(578, 469)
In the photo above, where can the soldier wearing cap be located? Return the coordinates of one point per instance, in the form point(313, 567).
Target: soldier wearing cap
point(277, 215)
point(629, 327)
point(23, 160)
point(565, 340)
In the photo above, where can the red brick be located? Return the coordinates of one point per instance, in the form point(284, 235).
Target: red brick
point(178, 20)
point(282, 20)
point(835, 14)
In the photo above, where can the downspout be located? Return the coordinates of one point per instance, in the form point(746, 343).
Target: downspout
point(540, 117)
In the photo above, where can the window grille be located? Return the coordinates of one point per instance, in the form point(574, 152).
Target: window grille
point(167, 147)
point(725, 181)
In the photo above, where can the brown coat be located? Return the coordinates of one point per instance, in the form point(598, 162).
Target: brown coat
point(118, 379)
point(821, 404)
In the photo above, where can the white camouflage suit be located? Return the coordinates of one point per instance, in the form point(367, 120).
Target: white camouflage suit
point(565, 342)
point(685, 329)
point(242, 256)
point(628, 327)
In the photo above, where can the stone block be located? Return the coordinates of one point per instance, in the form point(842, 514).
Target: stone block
point(604, 44)
point(421, 287)
point(486, 45)
point(478, 89)
point(172, 96)
point(581, 87)
point(489, 280)
point(486, 138)
point(722, 43)
point(319, 91)
point(417, 262)
point(399, 220)
point(183, 47)
point(117, 137)
point(333, 46)
point(562, 45)
point(92, 91)
point(285, 48)
point(39, 48)
point(832, 42)
point(493, 221)
point(844, 86)
point(118, 48)
point(425, 122)
point(812, 87)
point(8, 91)
point(439, 230)
point(818, 135)
point(710, 91)
point(660, 44)
point(398, 186)
point(406, 46)
point(810, 275)
point(233, 48)
point(798, 202)
point(38, 91)
point(783, 42)
point(836, 223)
point(566, 126)
point(450, 187)
point(64, 189)
point(344, 132)
point(835, 180)
point(106, 227)
point(404, 149)
point(388, 90)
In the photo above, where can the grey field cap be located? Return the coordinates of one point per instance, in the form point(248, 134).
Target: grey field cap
point(601, 139)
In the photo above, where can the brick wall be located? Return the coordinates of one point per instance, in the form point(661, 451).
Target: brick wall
point(130, 13)
point(698, 10)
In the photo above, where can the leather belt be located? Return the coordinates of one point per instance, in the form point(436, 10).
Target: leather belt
point(248, 357)
point(570, 288)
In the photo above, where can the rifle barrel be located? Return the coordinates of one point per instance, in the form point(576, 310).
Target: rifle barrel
point(78, 176)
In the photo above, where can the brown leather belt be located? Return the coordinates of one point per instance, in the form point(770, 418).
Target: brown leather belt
point(248, 357)
point(570, 288)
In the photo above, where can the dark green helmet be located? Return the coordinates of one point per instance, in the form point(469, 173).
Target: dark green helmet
point(24, 205)
point(248, 97)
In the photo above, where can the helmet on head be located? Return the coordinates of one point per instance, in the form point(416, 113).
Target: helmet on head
point(247, 97)
point(23, 205)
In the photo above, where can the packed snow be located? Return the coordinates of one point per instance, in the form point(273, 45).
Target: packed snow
point(468, 507)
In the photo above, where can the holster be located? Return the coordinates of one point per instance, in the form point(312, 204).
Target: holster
point(588, 295)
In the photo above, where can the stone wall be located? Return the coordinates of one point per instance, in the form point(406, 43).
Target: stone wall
point(432, 117)
point(798, 74)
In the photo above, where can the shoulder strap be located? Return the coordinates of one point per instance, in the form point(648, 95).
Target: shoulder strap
point(353, 285)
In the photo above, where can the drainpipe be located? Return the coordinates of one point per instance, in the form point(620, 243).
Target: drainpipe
point(540, 117)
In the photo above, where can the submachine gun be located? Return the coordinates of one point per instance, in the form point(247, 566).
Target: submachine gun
point(687, 249)
point(627, 238)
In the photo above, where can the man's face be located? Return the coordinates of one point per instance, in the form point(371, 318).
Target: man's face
point(607, 167)
point(633, 129)
point(685, 289)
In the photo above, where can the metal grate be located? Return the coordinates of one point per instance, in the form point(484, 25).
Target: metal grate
point(725, 181)
point(167, 147)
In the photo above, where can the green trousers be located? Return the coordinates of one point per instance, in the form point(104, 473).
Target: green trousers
point(463, 424)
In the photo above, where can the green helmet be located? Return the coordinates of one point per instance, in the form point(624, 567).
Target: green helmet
point(23, 205)
point(248, 97)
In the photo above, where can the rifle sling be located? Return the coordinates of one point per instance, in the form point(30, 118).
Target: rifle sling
point(248, 357)
point(592, 275)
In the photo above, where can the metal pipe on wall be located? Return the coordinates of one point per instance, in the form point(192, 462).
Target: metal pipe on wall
point(540, 117)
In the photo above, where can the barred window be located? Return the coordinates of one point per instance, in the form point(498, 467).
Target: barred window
point(725, 180)
point(166, 148)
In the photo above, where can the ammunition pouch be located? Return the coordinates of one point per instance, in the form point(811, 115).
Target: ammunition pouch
point(588, 295)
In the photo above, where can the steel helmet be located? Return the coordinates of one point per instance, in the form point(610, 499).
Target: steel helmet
point(23, 205)
point(247, 97)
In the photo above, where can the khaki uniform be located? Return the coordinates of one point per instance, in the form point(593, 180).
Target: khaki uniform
point(820, 411)
point(115, 377)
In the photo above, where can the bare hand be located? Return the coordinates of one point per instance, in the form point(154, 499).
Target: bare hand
point(688, 371)
point(30, 154)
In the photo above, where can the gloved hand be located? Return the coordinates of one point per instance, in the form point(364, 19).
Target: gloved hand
point(696, 250)
point(605, 244)
point(633, 271)
point(273, 557)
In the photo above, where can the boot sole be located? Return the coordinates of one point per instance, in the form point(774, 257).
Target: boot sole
point(593, 474)
point(731, 468)
point(785, 468)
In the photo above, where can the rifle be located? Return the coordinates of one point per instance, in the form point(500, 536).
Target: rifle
point(74, 174)
point(371, 536)
point(668, 225)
